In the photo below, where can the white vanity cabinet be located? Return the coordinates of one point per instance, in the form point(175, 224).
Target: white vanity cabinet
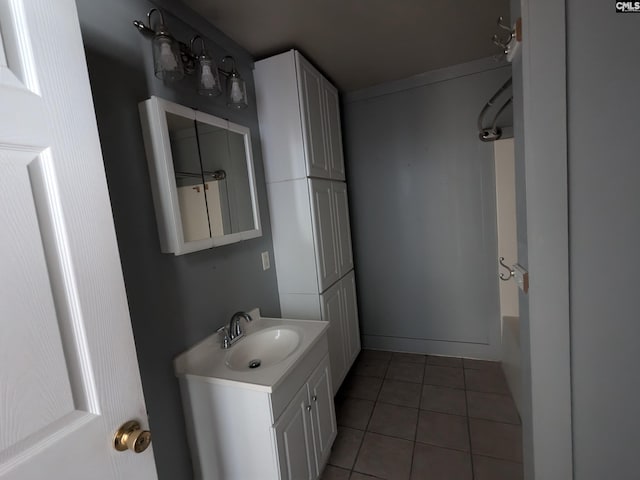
point(338, 307)
point(306, 430)
point(313, 257)
point(299, 115)
point(243, 424)
point(331, 230)
point(299, 119)
point(320, 113)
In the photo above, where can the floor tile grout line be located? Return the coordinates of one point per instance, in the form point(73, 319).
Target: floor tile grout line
point(366, 428)
point(364, 432)
point(502, 459)
point(484, 391)
point(442, 413)
point(415, 435)
point(466, 404)
point(457, 415)
point(490, 393)
point(444, 448)
point(357, 453)
point(446, 386)
point(432, 445)
point(495, 421)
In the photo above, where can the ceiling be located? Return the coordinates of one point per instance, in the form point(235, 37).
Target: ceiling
point(360, 43)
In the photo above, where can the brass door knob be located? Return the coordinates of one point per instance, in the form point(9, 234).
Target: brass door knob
point(131, 436)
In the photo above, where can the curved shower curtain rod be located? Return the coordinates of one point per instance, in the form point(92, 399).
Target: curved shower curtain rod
point(493, 133)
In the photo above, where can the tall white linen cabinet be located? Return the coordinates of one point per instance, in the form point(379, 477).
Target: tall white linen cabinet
point(299, 116)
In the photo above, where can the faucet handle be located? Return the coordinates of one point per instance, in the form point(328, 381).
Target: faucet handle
point(226, 341)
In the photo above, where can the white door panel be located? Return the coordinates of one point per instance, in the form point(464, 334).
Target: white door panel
point(68, 370)
point(312, 106)
point(342, 226)
point(351, 322)
point(322, 211)
point(324, 418)
point(41, 376)
point(293, 435)
point(334, 134)
point(332, 312)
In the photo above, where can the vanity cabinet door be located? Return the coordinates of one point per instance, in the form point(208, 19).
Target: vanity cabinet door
point(323, 417)
point(333, 131)
point(322, 211)
point(342, 227)
point(312, 104)
point(294, 440)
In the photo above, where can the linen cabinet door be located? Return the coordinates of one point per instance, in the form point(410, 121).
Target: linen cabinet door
point(332, 307)
point(343, 229)
point(333, 131)
point(351, 323)
point(313, 128)
point(324, 418)
point(294, 439)
point(323, 212)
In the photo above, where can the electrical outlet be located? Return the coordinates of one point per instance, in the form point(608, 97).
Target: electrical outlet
point(266, 264)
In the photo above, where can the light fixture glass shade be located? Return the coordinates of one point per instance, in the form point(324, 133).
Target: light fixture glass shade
point(167, 63)
point(208, 77)
point(236, 91)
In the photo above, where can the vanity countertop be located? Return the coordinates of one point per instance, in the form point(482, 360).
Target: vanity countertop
point(207, 361)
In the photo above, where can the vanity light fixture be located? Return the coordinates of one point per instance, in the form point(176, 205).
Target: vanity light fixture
point(236, 87)
point(167, 61)
point(173, 58)
point(206, 71)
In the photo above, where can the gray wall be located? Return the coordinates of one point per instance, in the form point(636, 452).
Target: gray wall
point(604, 177)
point(422, 198)
point(174, 301)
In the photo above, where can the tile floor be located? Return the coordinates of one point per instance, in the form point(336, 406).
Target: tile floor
point(418, 417)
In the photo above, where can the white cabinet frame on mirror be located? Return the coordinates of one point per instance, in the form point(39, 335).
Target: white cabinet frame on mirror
point(153, 115)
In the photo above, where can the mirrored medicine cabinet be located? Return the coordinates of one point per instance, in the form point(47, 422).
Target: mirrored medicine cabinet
point(202, 177)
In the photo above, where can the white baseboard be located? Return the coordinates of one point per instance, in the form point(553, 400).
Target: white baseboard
point(432, 347)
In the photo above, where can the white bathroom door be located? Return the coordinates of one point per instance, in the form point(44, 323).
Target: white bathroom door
point(68, 369)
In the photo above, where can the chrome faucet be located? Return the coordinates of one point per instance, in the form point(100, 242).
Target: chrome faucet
point(233, 332)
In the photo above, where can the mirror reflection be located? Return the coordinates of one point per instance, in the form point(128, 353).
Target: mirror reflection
point(224, 151)
point(212, 178)
point(189, 179)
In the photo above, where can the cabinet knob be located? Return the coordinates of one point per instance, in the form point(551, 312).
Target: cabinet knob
point(308, 408)
point(314, 398)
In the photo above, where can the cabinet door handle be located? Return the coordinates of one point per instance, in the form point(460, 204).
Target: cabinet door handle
point(308, 408)
point(314, 398)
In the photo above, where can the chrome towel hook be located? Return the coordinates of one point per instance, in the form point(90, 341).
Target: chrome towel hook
point(511, 271)
point(509, 38)
point(504, 42)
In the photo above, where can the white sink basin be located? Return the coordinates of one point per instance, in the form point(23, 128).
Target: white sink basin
point(263, 348)
point(278, 343)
